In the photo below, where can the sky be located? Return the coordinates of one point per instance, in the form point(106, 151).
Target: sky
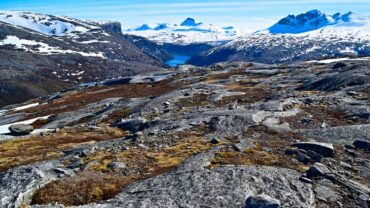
point(250, 15)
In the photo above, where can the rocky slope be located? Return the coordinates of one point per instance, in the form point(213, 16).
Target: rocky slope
point(41, 54)
point(308, 36)
point(229, 135)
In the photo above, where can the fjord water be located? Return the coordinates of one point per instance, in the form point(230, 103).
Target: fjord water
point(178, 60)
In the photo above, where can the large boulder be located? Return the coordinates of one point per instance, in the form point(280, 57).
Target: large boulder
point(324, 149)
point(261, 201)
point(362, 144)
point(132, 125)
point(20, 129)
point(192, 185)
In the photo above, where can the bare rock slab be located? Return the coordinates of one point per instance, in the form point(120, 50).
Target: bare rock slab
point(324, 149)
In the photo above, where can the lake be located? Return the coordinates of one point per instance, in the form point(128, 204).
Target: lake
point(177, 60)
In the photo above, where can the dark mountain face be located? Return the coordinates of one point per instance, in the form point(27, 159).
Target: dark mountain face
point(34, 63)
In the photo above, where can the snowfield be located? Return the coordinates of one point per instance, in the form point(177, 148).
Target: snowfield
point(42, 23)
point(42, 48)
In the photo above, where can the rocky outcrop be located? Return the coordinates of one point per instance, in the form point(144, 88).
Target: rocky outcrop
point(20, 129)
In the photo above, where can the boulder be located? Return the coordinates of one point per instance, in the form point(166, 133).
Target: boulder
point(116, 165)
point(132, 125)
point(318, 169)
point(20, 129)
point(362, 144)
point(215, 140)
point(339, 65)
point(261, 201)
point(243, 144)
point(326, 194)
point(324, 149)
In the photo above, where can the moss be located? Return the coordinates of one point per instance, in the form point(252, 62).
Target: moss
point(199, 99)
point(100, 183)
point(38, 148)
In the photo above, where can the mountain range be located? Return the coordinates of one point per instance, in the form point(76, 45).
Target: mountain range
point(50, 53)
point(187, 32)
point(308, 36)
point(41, 54)
point(106, 123)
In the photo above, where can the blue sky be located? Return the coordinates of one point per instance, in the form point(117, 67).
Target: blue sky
point(249, 14)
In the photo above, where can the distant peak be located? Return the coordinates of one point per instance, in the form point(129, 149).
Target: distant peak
point(313, 20)
point(190, 22)
point(314, 11)
point(143, 27)
point(161, 26)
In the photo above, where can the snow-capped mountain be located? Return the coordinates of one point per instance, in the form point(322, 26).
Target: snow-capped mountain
point(49, 53)
point(46, 24)
point(188, 32)
point(314, 20)
point(308, 36)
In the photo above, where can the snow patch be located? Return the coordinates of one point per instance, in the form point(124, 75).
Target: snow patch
point(328, 61)
point(4, 129)
point(42, 48)
point(26, 106)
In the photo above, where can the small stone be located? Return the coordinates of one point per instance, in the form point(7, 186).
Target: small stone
point(75, 164)
point(318, 169)
point(352, 153)
point(306, 120)
point(20, 129)
point(138, 134)
point(339, 65)
point(315, 157)
point(305, 179)
point(324, 125)
point(362, 144)
point(352, 93)
point(261, 201)
point(242, 145)
point(326, 194)
point(214, 140)
point(116, 165)
point(63, 171)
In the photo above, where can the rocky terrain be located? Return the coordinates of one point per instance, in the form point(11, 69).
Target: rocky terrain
point(41, 54)
point(235, 134)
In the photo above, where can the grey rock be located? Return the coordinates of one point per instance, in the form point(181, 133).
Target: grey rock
point(132, 125)
point(340, 134)
point(261, 201)
point(326, 194)
point(243, 144)
point(361, 144)
point(318, 169)
point(63, 171)
point(193, 185)
point(215, 140)
point(325, 149)
point(275, 125)
point(117, 165)
point(75, 163)
point(20, 129)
